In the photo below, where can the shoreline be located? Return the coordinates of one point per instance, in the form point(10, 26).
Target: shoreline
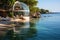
point(9, 23)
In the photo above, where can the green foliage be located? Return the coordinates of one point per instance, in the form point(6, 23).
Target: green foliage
point(11, 2)
point(10, 14)
point(43, 11)
point(47, 10)
point(34, 9)
point(31, 4)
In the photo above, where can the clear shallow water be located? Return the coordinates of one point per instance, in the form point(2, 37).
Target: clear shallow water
point(45, 28)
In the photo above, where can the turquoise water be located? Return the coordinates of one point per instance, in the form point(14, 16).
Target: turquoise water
point(49, 27)
point(45, 28)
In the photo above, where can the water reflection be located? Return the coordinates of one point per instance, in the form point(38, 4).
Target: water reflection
point(23, 33)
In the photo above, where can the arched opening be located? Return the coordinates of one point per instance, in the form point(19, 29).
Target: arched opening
point(20, 8)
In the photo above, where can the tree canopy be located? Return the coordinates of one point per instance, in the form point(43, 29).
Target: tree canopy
point(43, 11)
point(31, 3)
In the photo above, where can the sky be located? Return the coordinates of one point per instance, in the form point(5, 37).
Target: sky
point(51, 5)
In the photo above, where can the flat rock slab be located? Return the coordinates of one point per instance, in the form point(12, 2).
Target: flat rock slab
point(5, 25)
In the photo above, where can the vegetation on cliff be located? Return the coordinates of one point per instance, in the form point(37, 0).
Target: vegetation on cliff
point(7, 4)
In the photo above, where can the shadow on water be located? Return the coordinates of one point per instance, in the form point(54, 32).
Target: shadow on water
point(23, 33)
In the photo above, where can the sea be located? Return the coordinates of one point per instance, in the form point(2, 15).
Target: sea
point(47, 27)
